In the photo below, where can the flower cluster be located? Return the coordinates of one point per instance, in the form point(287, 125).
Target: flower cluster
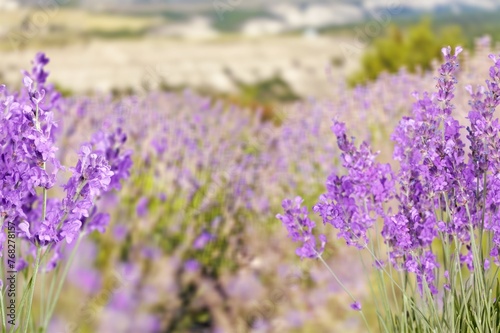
point(27, 152)
point(300, 228)
point(29, 166)
point(431, 153)
point(354, 201)
point(442, 190)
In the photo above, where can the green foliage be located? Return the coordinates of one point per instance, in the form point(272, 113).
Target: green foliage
point(268, 90)
point(473, 24)
point(234, 18)
point(64, 91)
point(413, 49)
point(265, 95)
point(174, 16)
point(116, 34)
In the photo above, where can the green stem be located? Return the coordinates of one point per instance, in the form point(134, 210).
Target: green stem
point(51, 292)
point(42, 294)
point(31, 287)
point(343, 287)
point(62, 279)
point(4, 324)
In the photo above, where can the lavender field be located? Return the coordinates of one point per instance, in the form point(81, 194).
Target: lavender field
point(373, 209)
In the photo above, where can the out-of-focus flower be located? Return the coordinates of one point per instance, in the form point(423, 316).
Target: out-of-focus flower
point(202, 240)
point(300, 228)
point(142, 207)
point(356, 306)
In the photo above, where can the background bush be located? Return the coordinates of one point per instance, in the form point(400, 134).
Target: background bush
point(414, 49)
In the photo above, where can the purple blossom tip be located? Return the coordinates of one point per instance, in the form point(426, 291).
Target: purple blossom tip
point(25, 227)
point(338, 128)
point(356, 306)
point(41, 59)
point(28, 83)
point(446, 51)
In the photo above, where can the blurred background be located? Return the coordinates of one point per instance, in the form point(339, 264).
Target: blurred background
point(248, 50)
point(227, 106)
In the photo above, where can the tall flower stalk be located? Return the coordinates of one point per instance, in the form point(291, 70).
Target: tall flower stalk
point(438, 211)
point(41, 223)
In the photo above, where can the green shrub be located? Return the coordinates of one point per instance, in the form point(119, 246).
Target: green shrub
point(413, 49)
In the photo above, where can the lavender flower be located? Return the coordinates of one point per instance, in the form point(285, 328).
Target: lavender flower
point(354, 201)
point(300, 228)
point(202, 240)
point(142, 207)
point(443, 194)
point(28, 170)
point(356, 306)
